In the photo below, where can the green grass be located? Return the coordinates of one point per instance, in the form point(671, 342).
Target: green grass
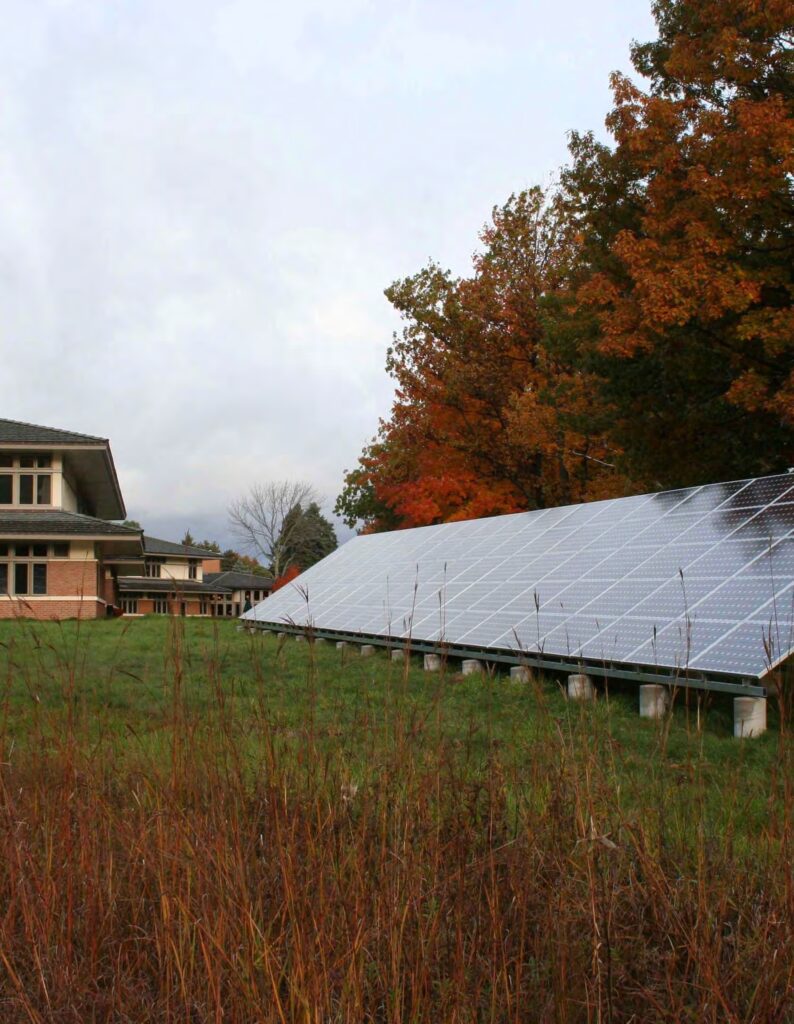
point(118, 680)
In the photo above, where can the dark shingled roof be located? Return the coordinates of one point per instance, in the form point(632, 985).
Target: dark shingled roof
point(16, 432)
point(235, 580)
point(142, 585)
point(59, 522)
point(155, 546)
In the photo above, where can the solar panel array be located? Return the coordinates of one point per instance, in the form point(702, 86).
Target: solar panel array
point(699, 579)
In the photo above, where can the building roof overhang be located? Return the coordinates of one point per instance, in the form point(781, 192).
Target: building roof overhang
point(55, 524)
point(91, 465)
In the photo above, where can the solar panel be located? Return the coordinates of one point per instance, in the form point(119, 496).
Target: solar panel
point(696, 582)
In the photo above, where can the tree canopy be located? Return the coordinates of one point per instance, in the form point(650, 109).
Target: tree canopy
point(630, 328)
point(308, 536)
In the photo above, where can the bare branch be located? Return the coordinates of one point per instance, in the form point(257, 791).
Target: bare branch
point(259, 518)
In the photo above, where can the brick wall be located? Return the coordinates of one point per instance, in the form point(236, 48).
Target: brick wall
point(71, 577)
point(33, 608)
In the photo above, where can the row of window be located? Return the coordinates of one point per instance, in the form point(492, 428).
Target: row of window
point(160, 606)
point(23, 578)
point(10, 460)
point(153, 568)
point(129, 605)
point(59, 549)
point(25, 489)
point(18, 488)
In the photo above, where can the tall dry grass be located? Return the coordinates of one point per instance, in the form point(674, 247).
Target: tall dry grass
point(241, 875)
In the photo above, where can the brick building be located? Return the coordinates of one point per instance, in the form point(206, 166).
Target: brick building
point(62, 556)
point(180, 579)
point(239, 590)
point(58, 494)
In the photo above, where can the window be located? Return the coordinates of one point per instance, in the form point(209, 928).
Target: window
point(60, 550)
point(30, 578)
point(192, 569)
point(21, 577)
point(21, 571)
point(203, 606)
point(25, 488)
point(43, 489)
point(129, 605)
point(153, 567)
point(39, 577)
point(161, 606)
point(35, 461)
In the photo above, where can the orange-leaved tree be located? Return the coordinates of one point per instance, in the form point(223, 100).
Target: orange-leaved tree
point(486, 419)
point(685, 277)
point(290, 573)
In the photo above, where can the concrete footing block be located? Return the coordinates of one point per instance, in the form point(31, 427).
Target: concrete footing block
point(749, 716)
point(300, 638)
point(520, 673)
point(320, 640)
point(280, 636)
point(580, 687)
point(471, 667)
point(397, 654)
point(432, 663)
point(653, 700)
point(341, 645)
point(367, 650)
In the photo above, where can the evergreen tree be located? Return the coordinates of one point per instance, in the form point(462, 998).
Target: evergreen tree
point(311, 536)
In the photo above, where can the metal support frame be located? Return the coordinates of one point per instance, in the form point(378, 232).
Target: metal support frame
point(557, 663)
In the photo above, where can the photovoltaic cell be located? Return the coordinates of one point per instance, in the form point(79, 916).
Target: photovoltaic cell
point(697, 579)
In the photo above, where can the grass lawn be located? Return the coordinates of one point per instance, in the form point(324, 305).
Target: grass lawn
point(205, 824)
point(121, 677)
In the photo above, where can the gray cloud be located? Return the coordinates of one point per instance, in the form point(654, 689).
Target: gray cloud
point(202, 202)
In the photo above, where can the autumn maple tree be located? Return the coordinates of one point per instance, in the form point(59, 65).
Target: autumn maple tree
point(486, 419)
point(683, 298)
point(632, 330)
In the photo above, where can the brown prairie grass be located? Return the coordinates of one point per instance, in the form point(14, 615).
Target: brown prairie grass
point(220, 879)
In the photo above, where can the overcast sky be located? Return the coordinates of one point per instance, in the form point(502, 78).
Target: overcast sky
point(201, 203)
